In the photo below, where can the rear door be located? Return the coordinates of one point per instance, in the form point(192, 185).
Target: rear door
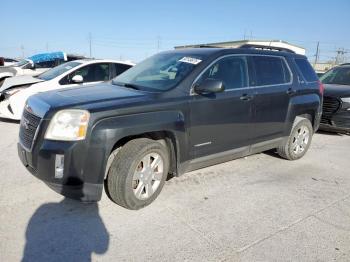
point(271, 82)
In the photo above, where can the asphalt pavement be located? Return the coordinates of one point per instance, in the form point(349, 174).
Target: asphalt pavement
point(258, 208)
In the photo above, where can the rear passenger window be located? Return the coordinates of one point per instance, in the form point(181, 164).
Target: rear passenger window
point(270, 71)
point(232, 71)
point(306, 70)
point(119, 68)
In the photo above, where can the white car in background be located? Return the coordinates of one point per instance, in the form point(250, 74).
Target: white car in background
point(16, 90)
point(36, 64)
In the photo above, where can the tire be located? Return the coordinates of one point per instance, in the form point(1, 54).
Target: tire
point(299, 140)
point(132, 182)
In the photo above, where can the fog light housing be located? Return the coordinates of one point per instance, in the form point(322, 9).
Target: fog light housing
point(59, 166)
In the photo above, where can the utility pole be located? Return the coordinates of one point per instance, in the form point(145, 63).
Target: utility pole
point(158, 43)
point(22, 50)
point(90, 40)
point(317, 53)
point(340, 56)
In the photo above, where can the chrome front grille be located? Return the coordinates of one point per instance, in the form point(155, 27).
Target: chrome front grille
point(28, 128)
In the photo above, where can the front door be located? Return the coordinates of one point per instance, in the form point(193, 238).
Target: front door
point(92, 74)
point(222, 121)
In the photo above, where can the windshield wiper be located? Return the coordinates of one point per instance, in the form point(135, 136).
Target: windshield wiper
point(127, 85)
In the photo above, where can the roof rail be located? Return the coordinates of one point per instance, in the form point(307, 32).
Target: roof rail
point(209, 46)
point(267, 47)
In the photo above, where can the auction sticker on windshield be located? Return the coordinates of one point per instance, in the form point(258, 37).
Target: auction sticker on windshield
point(190, 60)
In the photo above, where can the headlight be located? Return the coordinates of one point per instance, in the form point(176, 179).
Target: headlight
point(346, 99)
point(68, 125)
point(12, 91)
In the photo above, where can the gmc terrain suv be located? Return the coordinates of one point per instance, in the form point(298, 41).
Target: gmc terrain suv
point(336, 104)
point(175, 112)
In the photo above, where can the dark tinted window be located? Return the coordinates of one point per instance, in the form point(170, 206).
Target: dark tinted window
point(10, 60)
point(232, 71)
point(337, 76)
point(306, 70)
point(270, 71)
point(117, 69)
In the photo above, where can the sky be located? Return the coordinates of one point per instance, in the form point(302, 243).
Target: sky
point(134, 30)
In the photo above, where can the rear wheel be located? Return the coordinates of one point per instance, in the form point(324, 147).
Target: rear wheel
point(298, 141)
point(138, 173)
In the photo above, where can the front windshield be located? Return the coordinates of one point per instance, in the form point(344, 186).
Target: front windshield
point(58, 70)
point(160, 72)
point(337, 76)
point(21, 63)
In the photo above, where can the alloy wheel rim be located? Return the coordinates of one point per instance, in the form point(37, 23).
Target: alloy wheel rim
point(300, 140)
point(147, 176)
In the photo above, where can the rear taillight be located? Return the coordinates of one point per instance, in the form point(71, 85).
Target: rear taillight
point(321, 87)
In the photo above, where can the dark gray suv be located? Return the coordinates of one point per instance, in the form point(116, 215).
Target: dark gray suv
point(175, 112)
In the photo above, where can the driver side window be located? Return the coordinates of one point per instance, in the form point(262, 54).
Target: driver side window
point(232, 71)
point(90, 73)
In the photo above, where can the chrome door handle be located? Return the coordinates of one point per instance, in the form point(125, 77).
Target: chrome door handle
point(291, 91)
point(246, 97)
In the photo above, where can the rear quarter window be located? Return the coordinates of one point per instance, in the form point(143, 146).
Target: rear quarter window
point(306, 69)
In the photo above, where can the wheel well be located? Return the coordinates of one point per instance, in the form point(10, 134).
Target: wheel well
point(310, 116)
point(164, 137)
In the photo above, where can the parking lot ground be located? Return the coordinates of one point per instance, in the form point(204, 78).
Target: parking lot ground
point(258, 208)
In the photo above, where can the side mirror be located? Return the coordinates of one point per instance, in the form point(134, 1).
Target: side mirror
point(77, 79)
point(31, 65)
point(209, 86)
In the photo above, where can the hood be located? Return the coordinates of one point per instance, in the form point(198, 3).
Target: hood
point(89, 96)
point(8, 69)
point(336, 90)
point(18, 81)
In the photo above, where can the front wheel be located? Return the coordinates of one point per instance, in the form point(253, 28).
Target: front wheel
point(138, 173)
point(298, 141)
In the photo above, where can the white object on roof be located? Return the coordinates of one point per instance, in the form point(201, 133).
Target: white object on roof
point(237, 44)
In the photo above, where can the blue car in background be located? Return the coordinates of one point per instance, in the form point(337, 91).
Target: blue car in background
point(36, 64)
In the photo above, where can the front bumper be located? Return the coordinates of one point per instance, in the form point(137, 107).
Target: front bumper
point(332, 128)
point(338, 122)
point(74, 184)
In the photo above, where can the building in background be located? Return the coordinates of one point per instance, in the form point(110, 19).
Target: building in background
point(323, 66)
point(239, 43)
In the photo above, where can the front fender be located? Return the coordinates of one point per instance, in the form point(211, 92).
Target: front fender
point(105, 133)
